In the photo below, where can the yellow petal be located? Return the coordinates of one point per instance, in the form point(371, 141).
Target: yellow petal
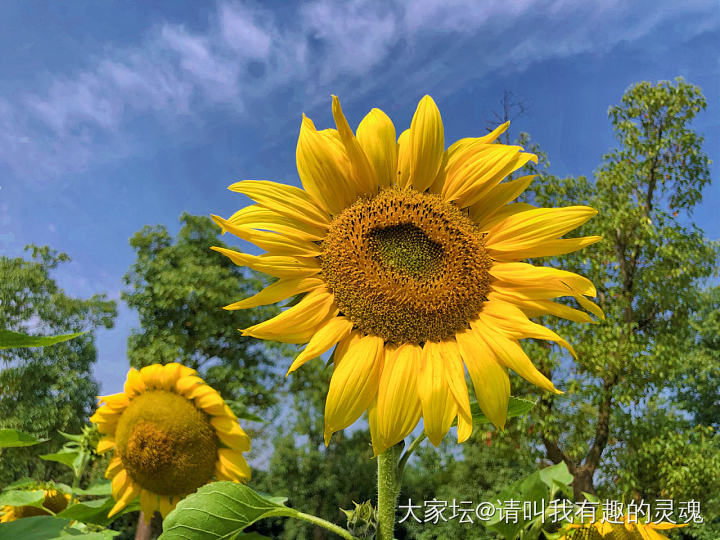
point(398, 404)
point(286, 200)
point(537, 308)
point(115, 402)
point(235, 463)
point(185, 385)
point(489, 378)
point(438, 405)
point(130, 492)
point(455, 377)
point(376, 135)
point(487, 223)
point(273, 243)
point(151, 375)
point(364, 173)
point(473, 172)
point(462, 144)
point(280, 266)
point(402, 176)
point(298, 323)
point(134, 384)
point(230, 433)
point(494, 199)
point(531, 229)
point(211, 403)
point(326, 337)
point(148, 503)
point(166, 505)
point(508, 319)
point(105, 445)
point(354, 384)
point(258, 217)
point(324, 169)
point(281, 289)
point(427, 144)
point(114, 467)
point(525, 276)
point(169, 375)
point(509, 353)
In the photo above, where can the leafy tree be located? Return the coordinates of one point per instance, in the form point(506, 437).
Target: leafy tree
point(647, 270)
point(43, 390)
point(178, 287)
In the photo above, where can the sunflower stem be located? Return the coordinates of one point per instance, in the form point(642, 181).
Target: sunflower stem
point(388, 491)
point(320, 522)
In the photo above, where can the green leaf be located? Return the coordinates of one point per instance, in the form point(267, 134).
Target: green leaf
point(37, 528)
point(12, 340)
point(219, 510)
point(96, 489)
point(66, 458)
point(96, 511)
point(10, 438)
point(22, 498)
point(516, 407)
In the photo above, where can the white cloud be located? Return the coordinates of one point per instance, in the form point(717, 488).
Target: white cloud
point(249, 52)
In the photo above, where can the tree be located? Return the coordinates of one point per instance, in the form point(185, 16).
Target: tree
point(43, 390)
point(178, 288)
point(647, 270)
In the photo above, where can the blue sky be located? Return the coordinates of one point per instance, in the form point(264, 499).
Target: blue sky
point(118, 114)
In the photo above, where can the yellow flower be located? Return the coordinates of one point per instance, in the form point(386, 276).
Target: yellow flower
point(408, 259)
point(55, 501)
point(171, 434)
point(601, 530)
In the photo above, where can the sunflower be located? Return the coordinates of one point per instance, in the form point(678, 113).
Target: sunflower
point(405, 257)
point(171, 434)
point(601, 530)
point(54, 501)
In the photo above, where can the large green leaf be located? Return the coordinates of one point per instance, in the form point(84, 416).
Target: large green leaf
point(13, 438)
point(22, 498)
point(35, 528)
point(13, 340)
point(220, 510)
point(99, 488)
point(66, 458)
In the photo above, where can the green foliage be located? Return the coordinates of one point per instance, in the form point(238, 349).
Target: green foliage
point(12, 438)
point(647, 269)
point(220, 510)
point(178, 286)
point(43, 390)
point(14, 340)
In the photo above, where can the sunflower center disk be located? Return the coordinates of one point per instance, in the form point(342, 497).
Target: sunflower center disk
point(406, 266)
point(166, 444)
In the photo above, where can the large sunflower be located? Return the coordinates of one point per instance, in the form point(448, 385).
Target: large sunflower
point(171, 434)
point(601, 530)
point(54, 501)
point(407, 257)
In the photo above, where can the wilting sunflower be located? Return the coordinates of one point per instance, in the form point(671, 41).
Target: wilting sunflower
point(617, 531)
point(54, 501)
point(171, 434)
point(407, 257)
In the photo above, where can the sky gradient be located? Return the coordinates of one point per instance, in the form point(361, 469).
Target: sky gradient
point(114, 115)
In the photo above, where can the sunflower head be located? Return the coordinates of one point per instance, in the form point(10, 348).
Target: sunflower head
point(171, 433)
point(54, 501)
point(407, 256)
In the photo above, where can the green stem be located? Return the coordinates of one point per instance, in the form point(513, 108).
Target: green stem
point(388, 491)
point(404, 459)
point(320, 522)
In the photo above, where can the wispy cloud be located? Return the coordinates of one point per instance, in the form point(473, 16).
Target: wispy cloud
point(247, 54)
